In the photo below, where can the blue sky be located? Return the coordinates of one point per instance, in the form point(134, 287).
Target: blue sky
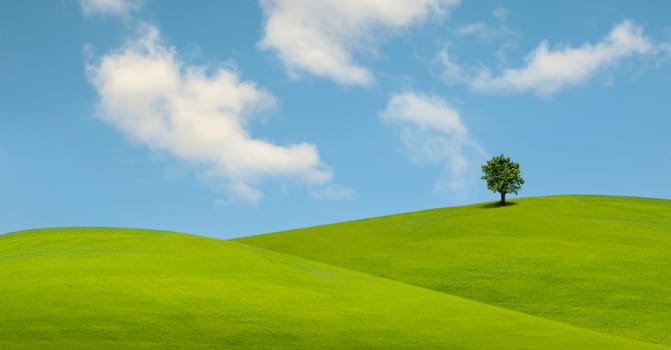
point(228, 118)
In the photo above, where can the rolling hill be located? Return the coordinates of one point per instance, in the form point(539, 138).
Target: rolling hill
point(79, 288)
point(597, 262)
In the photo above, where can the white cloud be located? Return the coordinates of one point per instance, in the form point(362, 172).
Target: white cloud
point(334, 192)
point(550, 70)
point(320, 37)
point(489, 32)
point(196, 114)
point(109, 7)
point(432, 132)
point(492, 32)
point(451, 72)
point(480, 28)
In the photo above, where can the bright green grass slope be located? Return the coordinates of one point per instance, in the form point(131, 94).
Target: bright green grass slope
point(130, 289)
point(597, 262)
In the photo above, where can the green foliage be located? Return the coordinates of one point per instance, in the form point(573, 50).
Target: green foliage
point(502, 176)
point(135, 289)
point(597, 262)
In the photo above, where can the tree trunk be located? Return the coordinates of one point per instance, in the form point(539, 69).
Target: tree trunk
point(503, 197)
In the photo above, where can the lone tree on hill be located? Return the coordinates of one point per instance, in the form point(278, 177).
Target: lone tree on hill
point(502, 176)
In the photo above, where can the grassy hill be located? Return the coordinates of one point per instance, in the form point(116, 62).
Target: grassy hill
point(134, 289)
point(602, 263)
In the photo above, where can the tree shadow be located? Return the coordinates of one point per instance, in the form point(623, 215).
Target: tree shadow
point(497, 205)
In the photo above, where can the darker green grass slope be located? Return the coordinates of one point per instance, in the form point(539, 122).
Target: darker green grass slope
point(131, 289)
point(597, 262)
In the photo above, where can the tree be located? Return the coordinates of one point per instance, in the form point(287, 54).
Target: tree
point(502, 176)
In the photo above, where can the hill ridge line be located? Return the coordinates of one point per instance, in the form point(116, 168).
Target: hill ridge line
point(481, 204)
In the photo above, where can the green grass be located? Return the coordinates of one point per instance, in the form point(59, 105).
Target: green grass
point(134, 289)
point(597, 262)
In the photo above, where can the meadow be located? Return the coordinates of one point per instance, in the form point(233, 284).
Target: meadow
point(598, 262)
point(583, 272)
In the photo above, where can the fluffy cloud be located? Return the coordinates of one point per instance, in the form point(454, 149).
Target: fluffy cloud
point(549, 70)
point(109, 7)
point(319, 37)
point(197, 114)
point(433, 132)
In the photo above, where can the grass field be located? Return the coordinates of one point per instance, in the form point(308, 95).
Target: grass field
point(597, 262)
point(586, 272)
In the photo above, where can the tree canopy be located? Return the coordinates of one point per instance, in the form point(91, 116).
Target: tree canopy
point(502, 176)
